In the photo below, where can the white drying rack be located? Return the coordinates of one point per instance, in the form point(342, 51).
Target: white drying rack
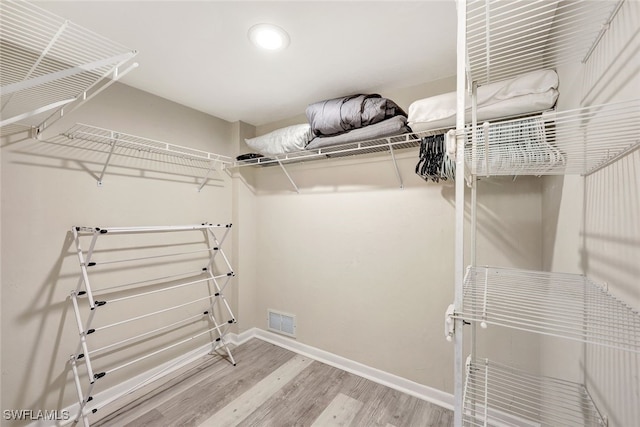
point(90, 303)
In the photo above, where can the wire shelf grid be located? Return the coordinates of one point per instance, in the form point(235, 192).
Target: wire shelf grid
point(126, 141)
point(579, 141)
point(370, 146)
point(508, 38)
point(500, 395)
point(568, 306)
point(48, 63)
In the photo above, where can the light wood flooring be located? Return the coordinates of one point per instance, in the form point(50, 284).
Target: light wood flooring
point(271, 386)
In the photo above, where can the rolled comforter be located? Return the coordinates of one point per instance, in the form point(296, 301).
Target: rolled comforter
point(339, 115)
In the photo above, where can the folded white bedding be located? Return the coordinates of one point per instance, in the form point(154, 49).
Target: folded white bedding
point(280, 141)
point(388, 127)
point(529, 92)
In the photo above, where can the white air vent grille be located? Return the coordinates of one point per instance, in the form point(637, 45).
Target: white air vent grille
point(281, 323)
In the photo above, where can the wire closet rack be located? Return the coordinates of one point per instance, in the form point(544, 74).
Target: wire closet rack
point(580, 141)
point(569, 306)
point(120, 143)
point(498, 394)
point(498, 40)
point(50, 66)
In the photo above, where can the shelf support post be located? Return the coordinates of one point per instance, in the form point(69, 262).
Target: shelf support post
point(461, 51)
point(114, 138)
point(395, 163)
point(205, 178)
point(288, 176)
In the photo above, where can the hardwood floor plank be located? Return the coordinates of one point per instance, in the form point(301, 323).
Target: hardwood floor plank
point(301, 401)
point(256, 359)
point(264, 390)
point(199, 403)
point(340, 412)
point(150, 396)
point(235, 412)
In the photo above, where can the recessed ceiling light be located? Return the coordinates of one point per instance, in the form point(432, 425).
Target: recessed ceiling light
point(268, 36)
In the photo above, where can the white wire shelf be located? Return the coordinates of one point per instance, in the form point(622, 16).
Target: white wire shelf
point(125, 141)
point(370, 146)
point(120, 143)
point(500, 395)
point(579, 141)
point(389, 144)
point(563, 305)
point(50, 64)
point(508, 38)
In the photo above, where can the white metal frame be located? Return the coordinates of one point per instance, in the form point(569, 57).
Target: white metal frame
point(51, 66)
point(85, 304)
point(498, 40)
point(124, 143)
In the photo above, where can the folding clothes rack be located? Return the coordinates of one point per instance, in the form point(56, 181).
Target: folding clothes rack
point(498, 40)
point(190, 268)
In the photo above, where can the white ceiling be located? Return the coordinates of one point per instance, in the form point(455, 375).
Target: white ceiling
point(197, 53)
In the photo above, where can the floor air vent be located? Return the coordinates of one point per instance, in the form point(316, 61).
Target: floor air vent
point(282, 323)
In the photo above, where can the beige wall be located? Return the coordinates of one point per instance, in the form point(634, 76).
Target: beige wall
point(367, 267)
point(48, 187)
point(591, 224)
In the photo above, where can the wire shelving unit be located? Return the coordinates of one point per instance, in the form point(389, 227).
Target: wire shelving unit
point(498, 395)
point(498, 40)
point(120, 143)
point(50, 66)
point(569, 306)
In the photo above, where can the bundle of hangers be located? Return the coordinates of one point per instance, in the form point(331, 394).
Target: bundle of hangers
point(435, 163)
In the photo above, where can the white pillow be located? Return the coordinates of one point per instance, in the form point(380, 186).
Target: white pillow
point(283, 140)
point(444, 106)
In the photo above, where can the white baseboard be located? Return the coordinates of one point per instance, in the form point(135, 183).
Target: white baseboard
point(112, 394)
point(395, 382)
